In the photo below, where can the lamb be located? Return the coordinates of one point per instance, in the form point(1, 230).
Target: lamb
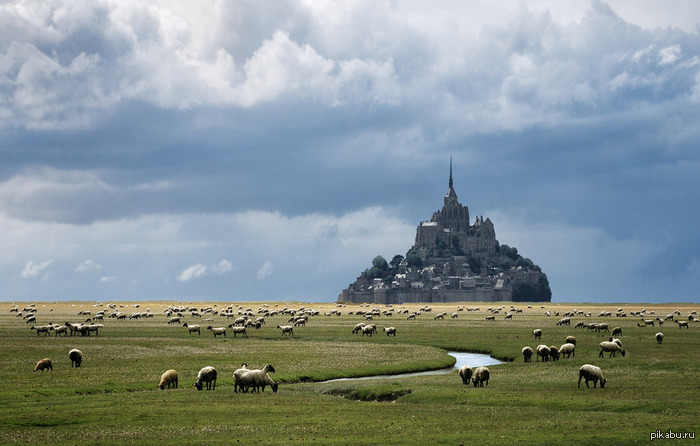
point(537, 333)
point(76, 357)
point(611, 347)
point(287, 330)
point(543, 352)
point(570, 340)
point(238, 330)
point(192, 328)
point(527, 354)
point(208, 376)
point(44, 364)
point(390, 331)
point(244, 378)
point(168, 378)
point(567, 350)
point(591, 373)
point(216, 331)
point(481, 375)
point(465, 372)
point(659, 337)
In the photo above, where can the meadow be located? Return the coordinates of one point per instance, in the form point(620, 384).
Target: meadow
point(112, 398)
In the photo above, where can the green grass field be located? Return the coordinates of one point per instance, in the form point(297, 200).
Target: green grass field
point(113, 399)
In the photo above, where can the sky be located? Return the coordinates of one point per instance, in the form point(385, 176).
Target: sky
point(248, 151)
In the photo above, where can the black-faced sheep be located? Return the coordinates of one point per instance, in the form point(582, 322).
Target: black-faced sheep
point(567, 350)
point(287, 330)
point(591, 373)
point(244, 378)
point(553, 353)
point(208, 376)
point(174, 320)
point(611, 347)
point(465, 372)
point(537, 333)
point(527, 354)
point(192, 328)
point(42, 329)
point(44, 364)
point(390, 331)
point(367, 330)
point(481, 376)
point(76, 357)
point(238, 330)
point(659, 337)
point(167, 379)
point(542, 352)
point(216, 331)
point(358, 327)
point(570, 340)
point(616, 331)
point(682, 324)
point(564, 321)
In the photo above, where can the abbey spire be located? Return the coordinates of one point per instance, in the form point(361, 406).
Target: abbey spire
point(451, 195)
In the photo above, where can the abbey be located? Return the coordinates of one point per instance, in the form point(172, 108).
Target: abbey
point(452, 260)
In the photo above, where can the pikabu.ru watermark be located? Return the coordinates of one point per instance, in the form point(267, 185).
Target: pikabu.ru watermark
point(659, 434)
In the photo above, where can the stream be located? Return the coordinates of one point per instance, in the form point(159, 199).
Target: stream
point(473, 360)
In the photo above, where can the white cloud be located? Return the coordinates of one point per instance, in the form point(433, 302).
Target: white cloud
point(88, 265)
point(265, 270)
point(192, 272)
point(107, 279)
point(670, 55)
point(32, 269)
point(222, 267)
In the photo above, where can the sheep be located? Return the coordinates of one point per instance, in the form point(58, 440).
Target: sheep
point(611, 347)
point(537, 333)
point(570, 340)
point(239, 371)
point(358, 328)
point(217, 331)
point(42, 329)
point(527, 354)
point(616, 341)
point(616, 331)
point(567, 350)
point(206, 375)
point(682, 324)
point(168, 378)
point(300, 322)
point(238, 330)
point(602, 327)
point(244, 378)
point(44, 364)
point(481, 375)
point(553, 353)
point(591, 373)
point(659, 337)
point(61, 329)
point(490, 318)
point(564, 321)
point(542, 352)
point(287, 330)
point(76, 357)
point(192, 328)
point(174, 320)
point(368, 330)
point(465, 372)
point(390, 331)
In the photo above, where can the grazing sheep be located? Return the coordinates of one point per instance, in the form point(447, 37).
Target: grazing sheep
point(481, 376)
point(465, 372)
point(570, 340)
point(527, 354)
point(240, 371)
point(602, 327)
point(217, 331)
point(682, 324)
point(238, 330)
point(591, 373)
point(537, 333)
point(206, 375)
point(553, 353)
point(564, 321)
point(616, 331)
point(168, 378)
point(390, 331)
point(611, 347)
point(659, 337)
point(567, 350)
point(490, 318)
point(76, 357)
point(542, 352)
point(287, 330)
point(367, 330)
point(192, 328)
point(244, 378)
point(358, 327)
point(60, 329)
point(44, 364)
point(174, 320)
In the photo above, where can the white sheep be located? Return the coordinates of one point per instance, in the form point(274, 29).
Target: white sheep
point(465, 372)
point(60, 329)
point(44, 364)
point(174, 320)
point(616, 331)
point(358, 327)
point(537, 333)
point(567, 350)
point(286, 330)
point(610, 347)
point(76, 357)
point(527, 354)
point(217, 331)
point(570, 340)
point(244, 378)
point(368, 330)
point(659, 337)
point(591, 373)
point(192, 328)
point(42, 329)
point(206, 375)
point(481, 376)
point(168, 378)
point(682, 324)
point(390, 331)
point(543, 352)
point(238, 330)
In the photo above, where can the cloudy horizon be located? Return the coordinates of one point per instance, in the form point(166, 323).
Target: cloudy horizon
point(235, 151)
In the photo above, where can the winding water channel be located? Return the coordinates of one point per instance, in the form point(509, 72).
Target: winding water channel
point(473, 360)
